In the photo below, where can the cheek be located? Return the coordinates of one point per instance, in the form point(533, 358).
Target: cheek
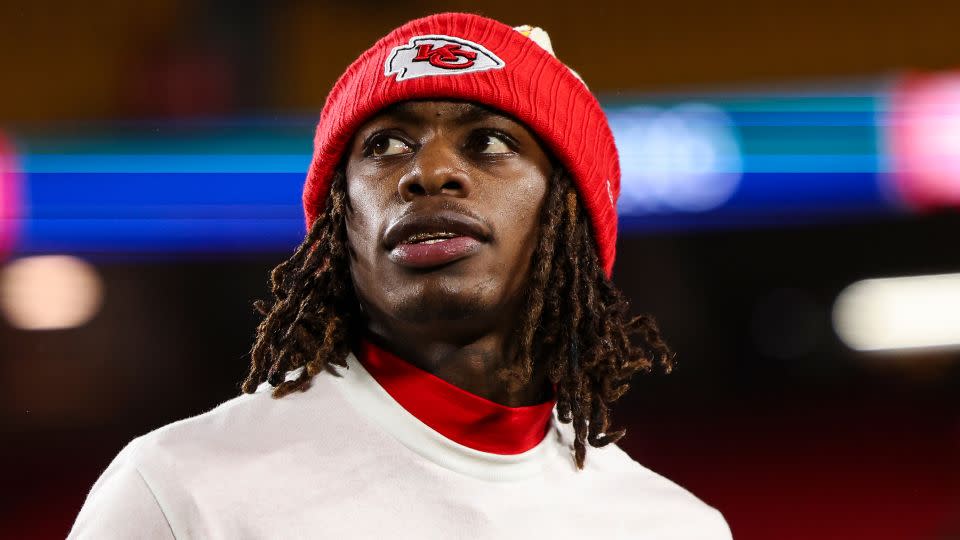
point(363, 222)
point(519, 218)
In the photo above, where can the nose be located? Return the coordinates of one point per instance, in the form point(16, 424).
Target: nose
point(437, 169)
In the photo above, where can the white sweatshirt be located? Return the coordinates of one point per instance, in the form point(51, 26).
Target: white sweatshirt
point(344, 460)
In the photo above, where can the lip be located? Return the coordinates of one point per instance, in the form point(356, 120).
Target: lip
point(430, 255)
point(442, 221)
point(470, 233)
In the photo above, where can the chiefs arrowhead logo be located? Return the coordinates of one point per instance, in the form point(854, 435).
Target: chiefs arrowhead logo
point(439, 55)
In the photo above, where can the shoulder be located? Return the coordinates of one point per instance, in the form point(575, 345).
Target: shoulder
point(681, 513)
point(153, 486)
point(647, 500)
point(246, 441)
point(247, 425)
point(201, 474)
point(121, 504)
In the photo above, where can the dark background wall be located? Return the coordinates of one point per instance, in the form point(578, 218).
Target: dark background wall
point(68, 61)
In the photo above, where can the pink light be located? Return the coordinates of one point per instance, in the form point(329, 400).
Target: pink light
point(10, 203)
point(925, 140)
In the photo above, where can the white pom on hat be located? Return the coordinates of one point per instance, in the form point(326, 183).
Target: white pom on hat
point(540, 37)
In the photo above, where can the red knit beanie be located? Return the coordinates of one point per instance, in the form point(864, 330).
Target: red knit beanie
point(468, 57)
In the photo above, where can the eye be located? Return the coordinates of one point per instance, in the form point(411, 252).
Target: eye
point(489, 143)
point(385, 145)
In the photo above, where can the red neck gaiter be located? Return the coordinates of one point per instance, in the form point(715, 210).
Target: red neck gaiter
point(456, 414)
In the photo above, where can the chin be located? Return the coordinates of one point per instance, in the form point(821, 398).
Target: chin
point(446, 299)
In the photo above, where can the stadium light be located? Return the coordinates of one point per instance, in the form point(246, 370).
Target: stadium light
point(49, 292)
point(910, 312)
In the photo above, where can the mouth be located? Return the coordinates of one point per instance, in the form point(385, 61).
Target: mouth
point(429, 240)
point(429, 237)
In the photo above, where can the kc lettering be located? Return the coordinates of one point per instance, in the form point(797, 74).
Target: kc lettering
point(439, 55)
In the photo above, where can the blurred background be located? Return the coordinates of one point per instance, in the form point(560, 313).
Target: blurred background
point(791, 179)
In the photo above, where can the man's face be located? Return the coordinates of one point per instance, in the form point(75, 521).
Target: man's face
point(446, 199)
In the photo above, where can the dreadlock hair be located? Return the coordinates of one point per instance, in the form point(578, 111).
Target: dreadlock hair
point(576, 321)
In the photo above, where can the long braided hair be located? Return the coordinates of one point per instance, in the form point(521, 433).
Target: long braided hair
point(576, 321)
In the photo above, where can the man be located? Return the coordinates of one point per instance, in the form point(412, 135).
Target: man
point(446, 342)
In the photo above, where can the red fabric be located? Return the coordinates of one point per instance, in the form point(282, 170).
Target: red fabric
point(532, 86)
point(456, 414)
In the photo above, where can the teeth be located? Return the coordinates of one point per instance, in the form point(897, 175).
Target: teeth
point(430, 237)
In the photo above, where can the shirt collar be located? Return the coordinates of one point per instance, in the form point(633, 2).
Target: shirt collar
point(463, 417)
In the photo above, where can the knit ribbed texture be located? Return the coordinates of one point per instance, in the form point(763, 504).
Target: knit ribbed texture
point(533, 87)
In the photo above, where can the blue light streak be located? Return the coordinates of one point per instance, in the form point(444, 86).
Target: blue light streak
point(235, 186)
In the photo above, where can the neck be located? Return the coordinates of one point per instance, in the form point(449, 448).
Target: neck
point(469, 363)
